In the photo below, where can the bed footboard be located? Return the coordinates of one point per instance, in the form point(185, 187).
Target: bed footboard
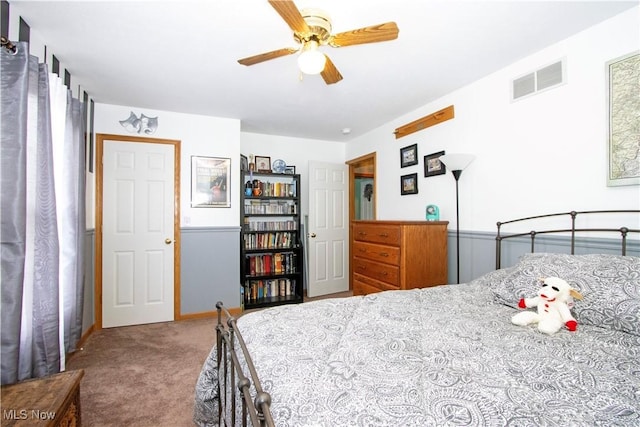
point(242, 398)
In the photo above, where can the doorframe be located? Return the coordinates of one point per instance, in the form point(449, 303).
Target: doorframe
point(353, 166)
point(367, 159)
point(100, 140)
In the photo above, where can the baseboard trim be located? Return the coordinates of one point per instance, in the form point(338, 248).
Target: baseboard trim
point(234, 311)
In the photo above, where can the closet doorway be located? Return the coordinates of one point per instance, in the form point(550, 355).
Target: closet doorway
point(362, 202)
point(362, 183)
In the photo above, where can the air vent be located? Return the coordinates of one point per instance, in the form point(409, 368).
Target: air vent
point(524, 86)
point(537, 81)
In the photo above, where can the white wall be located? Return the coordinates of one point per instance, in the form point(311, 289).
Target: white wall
point(199, 136)
point(294, 151)
point(547, 153)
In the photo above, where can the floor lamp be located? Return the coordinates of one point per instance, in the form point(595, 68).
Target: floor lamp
point(456, 164)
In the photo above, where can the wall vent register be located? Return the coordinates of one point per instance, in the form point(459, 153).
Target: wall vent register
point(537, 81)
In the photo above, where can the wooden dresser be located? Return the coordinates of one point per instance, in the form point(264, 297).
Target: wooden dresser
point(388, 255)
point(48, 401)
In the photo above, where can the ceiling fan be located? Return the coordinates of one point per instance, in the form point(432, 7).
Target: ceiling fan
point(312, 29)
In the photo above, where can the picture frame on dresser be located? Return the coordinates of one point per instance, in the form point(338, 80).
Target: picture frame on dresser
point(409, 184)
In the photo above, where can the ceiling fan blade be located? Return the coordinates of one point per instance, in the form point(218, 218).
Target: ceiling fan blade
point(330, 74)
point(291, 15)
point(256, 59)
point(371, 34)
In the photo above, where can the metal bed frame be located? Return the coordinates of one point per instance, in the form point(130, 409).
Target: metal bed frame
point(572, 230)
point(234, 385)
point(255, 410)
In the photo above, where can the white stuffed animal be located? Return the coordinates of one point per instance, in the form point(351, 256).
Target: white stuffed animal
point(553, 302)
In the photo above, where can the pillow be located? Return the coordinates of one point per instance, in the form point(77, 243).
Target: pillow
point(610, 285)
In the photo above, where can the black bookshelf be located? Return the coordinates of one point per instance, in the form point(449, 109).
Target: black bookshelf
point(271, 259)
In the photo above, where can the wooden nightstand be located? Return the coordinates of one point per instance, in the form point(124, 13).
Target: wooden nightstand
point(48, 401)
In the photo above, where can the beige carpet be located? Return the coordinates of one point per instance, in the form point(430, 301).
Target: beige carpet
point(145, 375)
point(142, 375)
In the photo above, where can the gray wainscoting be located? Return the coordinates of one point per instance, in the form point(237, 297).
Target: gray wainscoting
point(210, 264)
point(478, 250)
point(209, 268)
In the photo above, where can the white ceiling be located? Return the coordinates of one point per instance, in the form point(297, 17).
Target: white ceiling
point(182, 55)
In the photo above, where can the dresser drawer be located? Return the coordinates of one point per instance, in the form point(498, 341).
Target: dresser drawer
point(380, 253)
point(361, 288)
point(383, 272)
point(386, 234)
point(370, 285)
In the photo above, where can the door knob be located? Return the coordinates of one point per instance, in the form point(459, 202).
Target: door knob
point(312, 235)
point(168, 241)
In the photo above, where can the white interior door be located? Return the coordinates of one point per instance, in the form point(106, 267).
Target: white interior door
point(137, 233)
point(328, 233)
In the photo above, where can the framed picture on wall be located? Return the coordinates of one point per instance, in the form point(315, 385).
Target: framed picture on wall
point(409, 184)
point(623, 84)
point(432, 164)
point(409, 156)
point(210, 182)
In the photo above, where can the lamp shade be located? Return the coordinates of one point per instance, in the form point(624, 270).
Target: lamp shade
point(311, 60)
point(456, 161)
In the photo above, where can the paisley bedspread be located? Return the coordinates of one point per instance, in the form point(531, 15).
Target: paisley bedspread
point(439, 356)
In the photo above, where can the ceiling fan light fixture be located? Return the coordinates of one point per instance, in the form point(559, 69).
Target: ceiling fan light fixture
point(311, 60)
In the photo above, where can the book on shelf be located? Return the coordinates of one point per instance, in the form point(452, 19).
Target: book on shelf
point(271, 263)
point(254, 290)
point(270, 207)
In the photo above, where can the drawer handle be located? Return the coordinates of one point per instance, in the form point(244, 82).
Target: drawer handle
point(384, 273)
point(383, 235)
point(362, 267)
point(362, 233)
point(384, 254)
point(362, 250)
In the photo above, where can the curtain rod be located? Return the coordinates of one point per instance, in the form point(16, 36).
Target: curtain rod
point(5, 42)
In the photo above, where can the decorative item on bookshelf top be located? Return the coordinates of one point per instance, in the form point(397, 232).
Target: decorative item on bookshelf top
point(263, 163)
point(278, 166)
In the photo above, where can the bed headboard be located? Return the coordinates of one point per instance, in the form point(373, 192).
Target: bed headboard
point(573, 231)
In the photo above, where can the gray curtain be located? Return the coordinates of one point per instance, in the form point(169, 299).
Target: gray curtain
point(42, 218)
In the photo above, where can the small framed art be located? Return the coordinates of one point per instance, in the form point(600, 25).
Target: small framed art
point(290, 170)
point(409, 184)
point(409, 156)
point(263, 163)
point(432, 164)
point(244, 163)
